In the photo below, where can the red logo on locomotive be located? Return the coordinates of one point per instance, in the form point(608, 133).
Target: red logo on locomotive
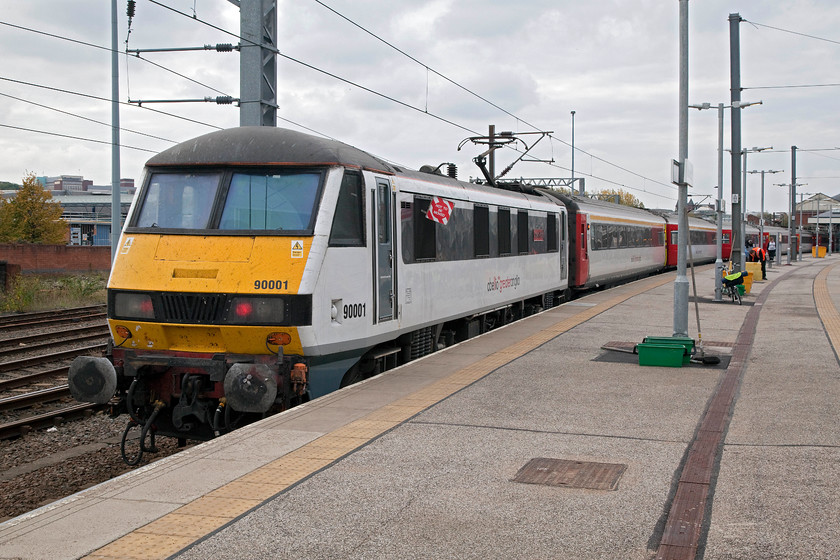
point(440, 210)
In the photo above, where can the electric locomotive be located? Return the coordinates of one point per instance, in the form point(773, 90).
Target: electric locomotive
point(260, 267)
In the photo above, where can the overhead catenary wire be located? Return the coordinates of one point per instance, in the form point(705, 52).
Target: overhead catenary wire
point(71, 137)
point(397, 101)
point(98, 98)
point(791, 32)
point(616, 183)
point(109, 125)
point(792, 86)
point(482, 98)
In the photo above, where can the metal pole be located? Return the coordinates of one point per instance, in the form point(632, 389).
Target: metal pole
point(735, 97)
point(830, 227)
point(116, 206)
point(573, 149)
point(681, 282)
point(491, 134)
point(258, 62)
point(779, 249)
point(792, 199)
point(761, 216)
point(719, 239)
point(817, 234)
point(799, 241)
point(744, 201)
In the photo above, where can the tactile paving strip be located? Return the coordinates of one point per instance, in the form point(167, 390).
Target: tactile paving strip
point(686, 514)
point(825, 307)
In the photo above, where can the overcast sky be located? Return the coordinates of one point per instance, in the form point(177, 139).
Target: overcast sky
point(615, 63)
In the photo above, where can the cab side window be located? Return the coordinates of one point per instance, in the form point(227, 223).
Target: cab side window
point(348, 227)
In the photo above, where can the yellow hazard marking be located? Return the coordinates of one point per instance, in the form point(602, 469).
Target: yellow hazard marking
point(179, 529)
point(297, 249)
point(826, 308)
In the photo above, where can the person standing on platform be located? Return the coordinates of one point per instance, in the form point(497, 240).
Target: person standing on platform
point(771, 251)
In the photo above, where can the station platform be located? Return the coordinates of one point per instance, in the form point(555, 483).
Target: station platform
point(531, 441)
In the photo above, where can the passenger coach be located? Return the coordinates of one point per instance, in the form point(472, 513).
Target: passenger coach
point(612, 243)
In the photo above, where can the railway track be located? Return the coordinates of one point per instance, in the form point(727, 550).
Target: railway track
point(33, 359)
point(34, 398)
point(19, 427)
point(47, 358)
point(45, 318)
point(28, 343)
point(23, 380)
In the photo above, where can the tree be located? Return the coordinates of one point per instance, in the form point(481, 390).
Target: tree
point(624, 197)
point(29, 217)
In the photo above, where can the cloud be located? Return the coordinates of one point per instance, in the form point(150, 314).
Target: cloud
point(613, 62)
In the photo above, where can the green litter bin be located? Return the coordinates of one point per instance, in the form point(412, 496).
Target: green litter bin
point(684, 341)
point(667, 355)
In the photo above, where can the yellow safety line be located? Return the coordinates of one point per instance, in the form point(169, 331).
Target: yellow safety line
point(176, 530)
point(825, 307)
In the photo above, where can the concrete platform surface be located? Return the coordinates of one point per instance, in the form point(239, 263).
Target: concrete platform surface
point(735, 460)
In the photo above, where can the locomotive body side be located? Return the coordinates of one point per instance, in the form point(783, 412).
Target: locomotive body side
point(261, 268)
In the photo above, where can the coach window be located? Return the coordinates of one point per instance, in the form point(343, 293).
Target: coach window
point(504, 231)
point(551, 236)
point(481, 231)
point(348, 225)
point(425, 233)
point(522, 231)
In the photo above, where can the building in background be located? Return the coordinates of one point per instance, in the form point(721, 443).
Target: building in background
point(86, 207)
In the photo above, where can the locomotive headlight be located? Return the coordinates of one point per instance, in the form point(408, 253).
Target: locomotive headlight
point(123, 332)
point(279, 339)
point(246, 310)
point(133, 306)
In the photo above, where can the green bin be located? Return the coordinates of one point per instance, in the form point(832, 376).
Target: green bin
point(684, 341)
point(668, 355)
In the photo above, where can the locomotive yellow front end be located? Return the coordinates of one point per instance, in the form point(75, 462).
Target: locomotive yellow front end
point(208, 326)
point(213, 282)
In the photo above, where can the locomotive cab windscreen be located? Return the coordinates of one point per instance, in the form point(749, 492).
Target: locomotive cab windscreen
point(241, 201)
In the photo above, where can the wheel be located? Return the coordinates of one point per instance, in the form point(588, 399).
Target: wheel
point(737, 296)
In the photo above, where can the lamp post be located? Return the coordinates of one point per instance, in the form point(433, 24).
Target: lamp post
point(791, 214)
point(719, 206)
point(761, 218)
point(801, 204)
point(743, 225)
point(817, 231)
point(719, 209)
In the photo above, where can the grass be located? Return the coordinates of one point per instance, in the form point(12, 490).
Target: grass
point(40, 293)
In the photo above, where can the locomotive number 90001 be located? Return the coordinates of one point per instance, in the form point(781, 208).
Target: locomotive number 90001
point(354, 310)
point(271, 284)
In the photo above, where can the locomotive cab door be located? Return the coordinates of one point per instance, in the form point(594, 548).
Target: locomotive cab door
point(384, 288)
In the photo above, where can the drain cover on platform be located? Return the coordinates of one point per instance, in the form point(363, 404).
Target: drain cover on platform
point(571, 474)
